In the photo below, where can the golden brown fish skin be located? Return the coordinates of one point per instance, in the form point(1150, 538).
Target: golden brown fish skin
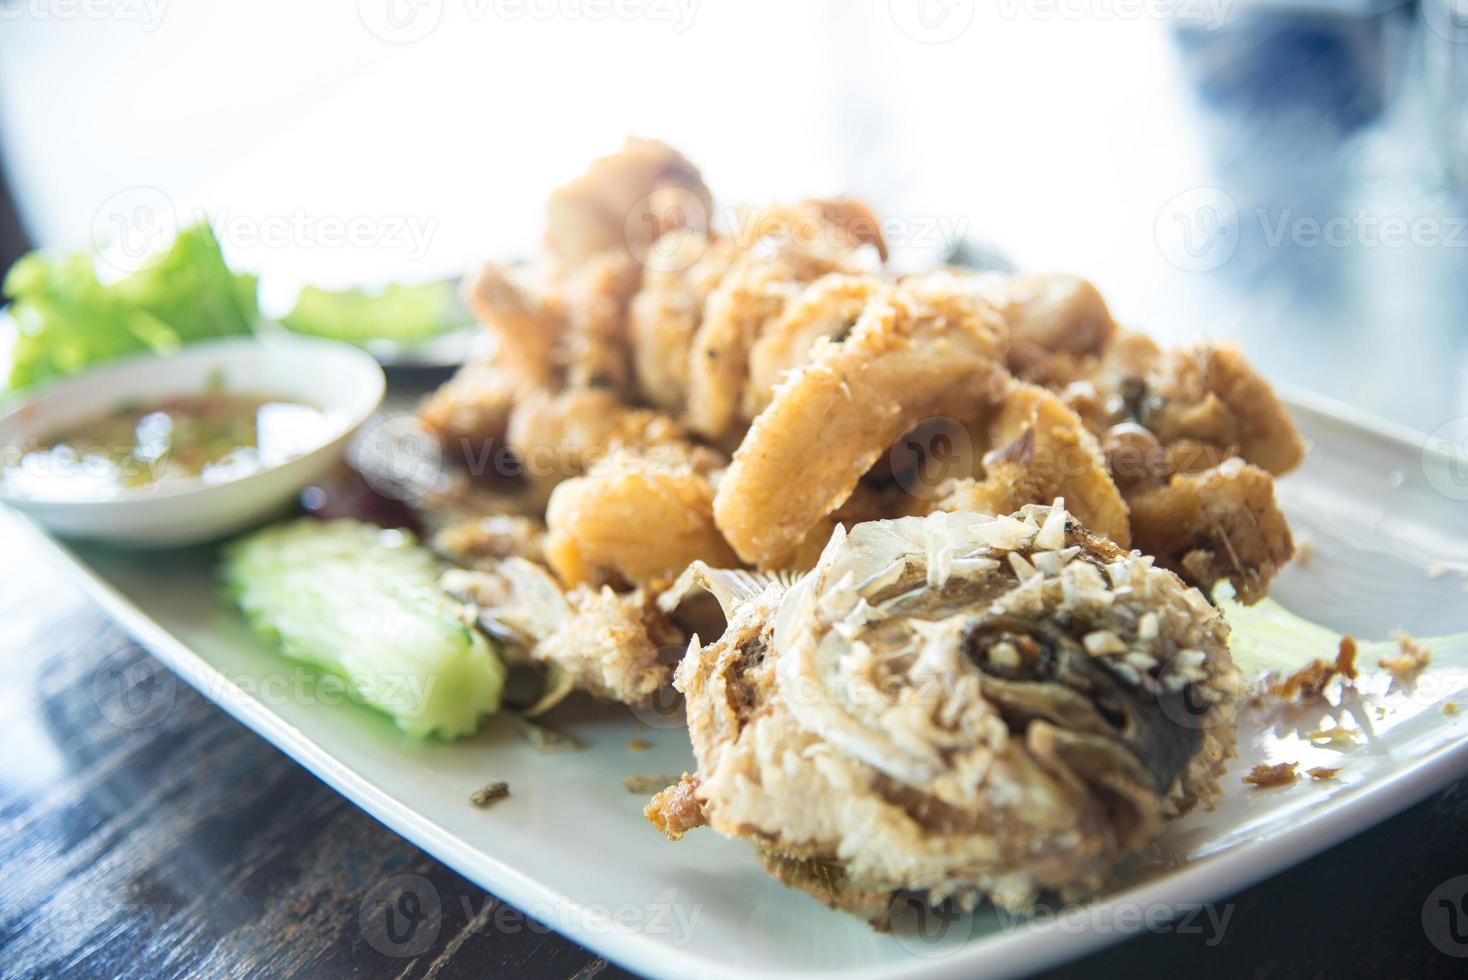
point(924, 351)
point(785, 247)
point(1222, 523)
point(525, 317)
point(633, 519)
point(1211, 394)
point(594, 348)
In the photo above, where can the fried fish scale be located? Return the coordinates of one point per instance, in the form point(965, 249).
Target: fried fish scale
point(634, 518)
point(921, 351)
point(1041, 450)
point(611, 645)
point(960, 705)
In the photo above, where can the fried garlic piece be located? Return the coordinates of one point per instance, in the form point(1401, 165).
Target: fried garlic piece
point(921, 351)
point(961, 705)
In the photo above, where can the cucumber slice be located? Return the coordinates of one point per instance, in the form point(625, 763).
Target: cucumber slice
point(363, 603)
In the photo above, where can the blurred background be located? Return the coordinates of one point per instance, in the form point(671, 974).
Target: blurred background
point(1288, 174)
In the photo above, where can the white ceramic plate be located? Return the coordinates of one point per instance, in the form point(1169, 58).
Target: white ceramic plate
point(570, 845)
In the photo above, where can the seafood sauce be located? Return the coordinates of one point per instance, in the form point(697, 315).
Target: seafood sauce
point(213, 437)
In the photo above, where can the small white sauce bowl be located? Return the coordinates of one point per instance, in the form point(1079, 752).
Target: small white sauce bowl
point(345, 383)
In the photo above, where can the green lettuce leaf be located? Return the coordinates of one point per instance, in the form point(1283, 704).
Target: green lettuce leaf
point(399, 313)
point(68, 320)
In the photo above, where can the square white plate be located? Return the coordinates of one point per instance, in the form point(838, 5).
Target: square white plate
point(571, 848)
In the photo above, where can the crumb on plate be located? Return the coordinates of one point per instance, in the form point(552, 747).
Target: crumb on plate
point(545, 738)
point(638, 745)
point(1309, 682)
point(1264, 775)
point(1322, 772)
point(488, 796)
point(1411, 661)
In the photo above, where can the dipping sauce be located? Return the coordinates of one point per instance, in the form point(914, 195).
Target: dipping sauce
point(212, 437)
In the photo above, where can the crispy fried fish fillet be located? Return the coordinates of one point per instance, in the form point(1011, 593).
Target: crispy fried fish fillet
point(624, 202)
point(635, 518)
point(827, 308)
point(1041, 450)
point(1222, 523)
point(957, 705)
point(785, 248)
point(687, 266)
point(558, 436)
point(923, 350)
point(472, 408)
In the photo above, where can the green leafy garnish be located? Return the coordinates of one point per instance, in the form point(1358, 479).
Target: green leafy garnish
point(398, 313)
point(68, 320)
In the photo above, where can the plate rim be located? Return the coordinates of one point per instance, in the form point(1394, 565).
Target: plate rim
point(1007, 953)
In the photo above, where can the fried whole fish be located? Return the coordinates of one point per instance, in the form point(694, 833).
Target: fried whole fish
point(960, 705)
